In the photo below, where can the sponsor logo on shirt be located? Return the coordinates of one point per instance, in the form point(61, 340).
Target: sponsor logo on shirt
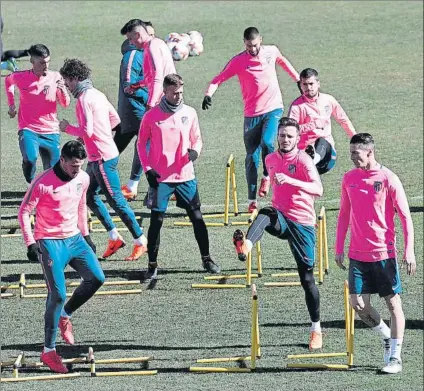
point(184, 120)
point(268, 59)
point(292, 168)
point(378, 186)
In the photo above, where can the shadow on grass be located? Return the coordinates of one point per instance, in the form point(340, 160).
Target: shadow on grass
point(411, 324)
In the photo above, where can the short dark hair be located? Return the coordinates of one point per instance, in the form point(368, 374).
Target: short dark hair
point(131, 24)
point(73, 149)
point(309, 72)
point(250, 33)
point(39, 50)
point(365, 139)
point(75, 69)
point(173, 80)
point(286, 121)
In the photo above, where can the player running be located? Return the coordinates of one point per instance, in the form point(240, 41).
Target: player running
point(295, 185)
point(263, 103)
point(371, 197)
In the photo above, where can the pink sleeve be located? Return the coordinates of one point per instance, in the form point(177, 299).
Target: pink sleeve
point(343, 219)
point(286, 65)
point(400, 202)
point(195, 135)
point(82, 211)
point(342, 118)
point(63, 97)
point(9, 85)
point(312, 185)
point(29, 203)
point(85, 121)
point(158, 76)
point(143, 138)
point(228, 72)
point(113, 116)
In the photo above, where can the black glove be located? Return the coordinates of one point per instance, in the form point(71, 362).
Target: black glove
point(207, 102)
point(90, 243)
point(300, 87)
point(33, 252)
point(192, 155)
point(152, 178)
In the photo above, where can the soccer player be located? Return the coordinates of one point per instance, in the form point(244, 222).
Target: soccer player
point(263, 103)
point(131, 108)
point(313, 111)
point(295, 185)
point(61, 238)
point(39, 91)
point(371, 197)
point(172, 128)
point(157, 62)
point(96, 119)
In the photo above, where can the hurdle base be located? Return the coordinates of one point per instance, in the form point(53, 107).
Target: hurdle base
point(124, 373)
point(342, 367)
point(220, 369)
point(45, 377)
point(219, 286)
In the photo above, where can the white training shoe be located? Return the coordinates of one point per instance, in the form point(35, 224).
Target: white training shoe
point(387, 351)
point(394, 366)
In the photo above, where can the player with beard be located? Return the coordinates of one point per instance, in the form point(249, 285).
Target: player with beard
point(295, 185)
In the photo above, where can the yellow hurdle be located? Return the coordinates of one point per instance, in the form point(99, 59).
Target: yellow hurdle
point(255, 349)
point(13, 228)
point(230, 193)
point(349, 339)
point(45, 377)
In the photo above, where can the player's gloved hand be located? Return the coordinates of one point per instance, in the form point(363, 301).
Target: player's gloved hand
point(192, 154)
point(207, 102)
point(33, 252)
point(300, 88)
point(152, 177)
point(90, 243)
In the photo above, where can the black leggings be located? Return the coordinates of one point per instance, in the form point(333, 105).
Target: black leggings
point(199, 227)
point(13, 53)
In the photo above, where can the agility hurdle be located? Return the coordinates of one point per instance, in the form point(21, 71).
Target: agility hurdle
point(22, 286)
point(322, 261)
point(13, 228)
point(255, 350)
point(143, 360)
point(115, 219)
point(247, 276)
point(349, 336)
point(230, 190)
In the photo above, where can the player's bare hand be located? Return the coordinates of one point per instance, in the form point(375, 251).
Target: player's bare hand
point(12, 111)
point(339, 261)
point(63, 124)
point(280, 178)
point(60, 84)
point(410, 264)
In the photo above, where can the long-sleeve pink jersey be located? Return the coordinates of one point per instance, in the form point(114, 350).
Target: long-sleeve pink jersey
point(369, 202)
point(170, 135)
point(314, 118)
point(61, 209)
point(157, 64)
point(96, 118)
point(296, 196)
point(258, 79)
point(37, 99)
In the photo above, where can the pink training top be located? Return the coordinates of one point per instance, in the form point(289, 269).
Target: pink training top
point(170, 135)
point(258, 79)
point(37, 100)
point(96, 118)
point(295, 198)
point(368, 204)
point(316, 113)
point(157, 64)
point(61, 209)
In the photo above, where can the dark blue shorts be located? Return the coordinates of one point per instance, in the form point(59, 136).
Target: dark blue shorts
point(186, 193)
point(380, 277)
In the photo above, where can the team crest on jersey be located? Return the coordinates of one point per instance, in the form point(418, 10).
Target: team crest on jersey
point(327, 110)
point(268, 59)
point(46, 90)
point(378, 186)
point(292, 168)
point(184, 120)
point(79, 187)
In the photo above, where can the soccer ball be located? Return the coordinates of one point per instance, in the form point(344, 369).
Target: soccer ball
point(171, 44)
point(195, 36)
point(180, 51)
point(184, 38)
point(196, 48)
point(172, 37)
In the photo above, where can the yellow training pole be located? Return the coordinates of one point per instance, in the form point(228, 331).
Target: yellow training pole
point(219, 369)
point(217, 286)
point(234, 184)
point(46, 377)
point(259, 258)
point(229, 277)
point(223, 359)
point(324, 223)
point(125, 373)
point(316, 355)
point(249, 269)
point(22, 284)
point(255, 337)
point(17, 364)
point(320, 251)
point(351, 336)
point(227, 190)
point(90, 358)
point(319, 366)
